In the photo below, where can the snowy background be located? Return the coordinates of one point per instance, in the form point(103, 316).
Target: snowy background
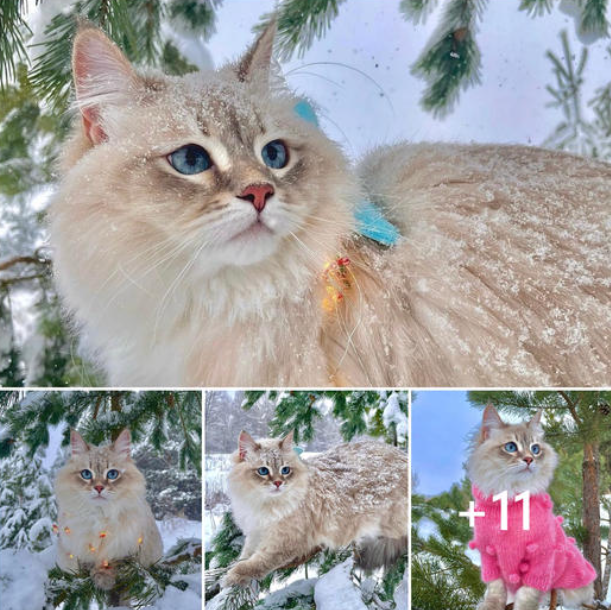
point(25, 520)
point(224, 419)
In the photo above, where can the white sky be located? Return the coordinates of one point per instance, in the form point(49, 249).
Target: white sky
point(509, 105)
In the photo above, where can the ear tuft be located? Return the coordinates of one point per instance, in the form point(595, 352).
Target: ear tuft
point(246, 444)
point(77, 445)
point(123, 444)
point(102, 76)
point(286, 444)
point(257, 60)
point(490, 421)
point(535, 422)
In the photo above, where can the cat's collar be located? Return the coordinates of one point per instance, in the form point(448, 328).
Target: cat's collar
point(370, 220)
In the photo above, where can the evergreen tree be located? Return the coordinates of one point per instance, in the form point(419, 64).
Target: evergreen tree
point(440, 567)
point(375, 413)
point(27, 505)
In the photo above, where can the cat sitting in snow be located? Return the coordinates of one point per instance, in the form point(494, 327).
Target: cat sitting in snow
point(103, 515)
point(527, 563)
point(289, 508)
point(204, 233)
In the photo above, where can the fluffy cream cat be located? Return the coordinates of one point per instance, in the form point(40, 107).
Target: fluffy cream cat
point(288, 507)
point(103, 515)
point(199, 224)
point(525, 563)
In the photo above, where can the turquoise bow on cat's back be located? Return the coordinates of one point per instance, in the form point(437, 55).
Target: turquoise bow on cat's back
point(369, 217)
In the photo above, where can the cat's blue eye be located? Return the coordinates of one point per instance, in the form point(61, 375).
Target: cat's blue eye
point(190, 159)
point(511, 447)
point(112, 474)
point(536, 450)
point(285, 470)
point(275, 154)
point(87, 474)
point(263, 471)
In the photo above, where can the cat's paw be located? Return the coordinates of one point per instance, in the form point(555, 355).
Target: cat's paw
point(236, 577)
point(103, 578)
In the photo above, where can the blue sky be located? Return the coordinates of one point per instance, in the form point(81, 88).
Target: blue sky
point(441, 424)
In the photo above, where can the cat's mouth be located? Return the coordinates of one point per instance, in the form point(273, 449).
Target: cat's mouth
point(256, 229)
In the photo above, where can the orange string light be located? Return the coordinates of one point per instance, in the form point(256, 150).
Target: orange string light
point(335, 275)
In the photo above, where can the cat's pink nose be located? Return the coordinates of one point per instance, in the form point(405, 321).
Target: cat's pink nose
point(277, 483)
point(528, 460)
point(99, 488)
point(257, 194)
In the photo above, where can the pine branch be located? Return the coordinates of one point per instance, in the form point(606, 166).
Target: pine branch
point(197, 15)
point(417, 10)
point(451, 62)
point(36, 259)
point(133, 581)
point(594, 17)
point(537, 7)
point(12, 47)
point(299, 23)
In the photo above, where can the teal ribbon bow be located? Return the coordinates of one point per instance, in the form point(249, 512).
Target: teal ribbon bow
point(369, 217)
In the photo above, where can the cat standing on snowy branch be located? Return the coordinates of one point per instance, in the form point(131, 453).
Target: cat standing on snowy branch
point(205, 234)
point(289, 508)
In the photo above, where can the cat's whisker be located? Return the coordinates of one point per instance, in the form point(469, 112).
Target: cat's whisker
point(347, 67)
point(298, 72)
point(173, 287)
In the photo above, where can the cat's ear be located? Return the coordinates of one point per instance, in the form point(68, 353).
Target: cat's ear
point(77, 445)
point(490, 421)
point(123, 444)
point(246, 443)
point(102, 76)
point(286, 444)
point(256, 62)
point(535, 422)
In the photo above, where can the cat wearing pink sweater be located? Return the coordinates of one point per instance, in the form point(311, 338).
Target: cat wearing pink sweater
point(519, 563)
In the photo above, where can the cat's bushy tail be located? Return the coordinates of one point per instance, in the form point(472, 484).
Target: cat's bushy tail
point(382, 174)
point(380, 552)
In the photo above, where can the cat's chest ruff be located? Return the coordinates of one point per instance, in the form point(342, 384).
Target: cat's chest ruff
point(96, 535)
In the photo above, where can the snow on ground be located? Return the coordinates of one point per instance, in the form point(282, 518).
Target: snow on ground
point(402, 592)
point(301, 588)
point(335, 590)
point(173, 529)
point(22, 578)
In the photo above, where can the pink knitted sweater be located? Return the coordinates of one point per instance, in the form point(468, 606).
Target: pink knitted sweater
point(542, 558)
